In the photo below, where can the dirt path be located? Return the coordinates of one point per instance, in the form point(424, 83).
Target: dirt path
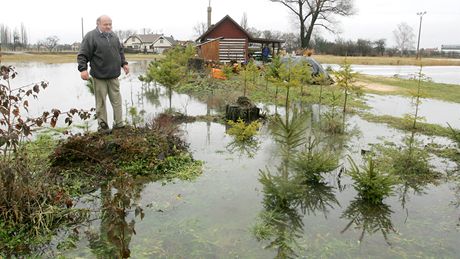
point(377, 87)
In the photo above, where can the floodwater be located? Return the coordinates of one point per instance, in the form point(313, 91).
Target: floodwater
point(214, 216)
point(434, 111)
point(439, 74)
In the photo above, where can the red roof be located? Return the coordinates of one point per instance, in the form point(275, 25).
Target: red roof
point(228, 28)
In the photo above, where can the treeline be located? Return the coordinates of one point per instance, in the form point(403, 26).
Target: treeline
point(13, 39)
point(363, 47)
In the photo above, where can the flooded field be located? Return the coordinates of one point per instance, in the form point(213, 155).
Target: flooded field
point(439, 74)
point(242, 207)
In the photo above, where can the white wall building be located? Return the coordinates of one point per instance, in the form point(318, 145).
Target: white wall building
point(156, 43)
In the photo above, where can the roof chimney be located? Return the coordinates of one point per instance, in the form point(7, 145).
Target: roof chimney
point(209, 14)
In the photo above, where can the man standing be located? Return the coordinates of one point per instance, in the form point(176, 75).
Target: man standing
point(104, 52)
point(265, 53)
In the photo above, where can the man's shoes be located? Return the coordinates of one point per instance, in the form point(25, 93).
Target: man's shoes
point(119, 127)
point(104, 128)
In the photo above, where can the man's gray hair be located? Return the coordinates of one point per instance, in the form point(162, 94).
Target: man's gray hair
point(98, 20)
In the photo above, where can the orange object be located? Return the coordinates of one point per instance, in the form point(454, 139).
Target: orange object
point(218, 73)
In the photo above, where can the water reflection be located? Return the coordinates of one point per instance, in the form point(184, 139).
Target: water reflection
point(281, 221)
point(369, 218)
point(440, 74)
point(225, 206)
point(288, 193)
point(152, 94)
point(117, 225)
point(410, 163)
point(248, 148)
point(434, 111)
point(66, 90)
point(318, 197)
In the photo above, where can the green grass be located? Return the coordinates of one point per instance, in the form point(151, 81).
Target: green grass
point(229, 90)
point(406, 87)
point(328, 59)
point(402, 124)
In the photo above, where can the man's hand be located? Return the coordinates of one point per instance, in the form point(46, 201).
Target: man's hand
point(126, 69)
point(84, 75)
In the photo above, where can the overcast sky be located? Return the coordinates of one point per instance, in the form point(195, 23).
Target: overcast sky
point(374, 19)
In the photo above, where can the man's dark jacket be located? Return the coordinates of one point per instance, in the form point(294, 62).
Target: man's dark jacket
point(104, 52)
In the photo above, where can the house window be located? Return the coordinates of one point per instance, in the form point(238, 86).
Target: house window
point(161, 40)
point(133, 39)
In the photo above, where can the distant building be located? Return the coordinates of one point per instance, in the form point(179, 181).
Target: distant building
point(75, 46)
point(152, 43)
point(227, 41)
point(450, 48)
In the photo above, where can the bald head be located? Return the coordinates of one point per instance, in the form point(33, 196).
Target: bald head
point(104, 23)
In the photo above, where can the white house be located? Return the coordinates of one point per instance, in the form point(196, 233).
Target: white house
point(450, 48)
point(163, 43)
point(156, 43)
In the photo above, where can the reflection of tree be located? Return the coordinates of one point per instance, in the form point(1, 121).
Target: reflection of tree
point(410, 163)
point(317, 197)
point(370, 218)
point(153, 96)
point(117, 199)
point(248, 147)
point(415, 184)
point(281, 221)
point(287, 195)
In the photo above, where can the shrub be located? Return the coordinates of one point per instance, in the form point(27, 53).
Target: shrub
point(14, 126)
point(242, 131)
point(312, 163)
point(455, 135)
point(371, 185)
point(33, 207)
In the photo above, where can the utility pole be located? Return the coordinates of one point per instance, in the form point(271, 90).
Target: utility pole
point(421, 14)
point(82, 32)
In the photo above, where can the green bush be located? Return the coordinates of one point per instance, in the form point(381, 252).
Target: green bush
point(242, 131)
point(371, 184)
point(312, 163)
point(455, 135)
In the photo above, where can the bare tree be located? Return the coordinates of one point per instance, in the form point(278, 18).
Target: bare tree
point(50, 42)
point(200, 28)
point(244, 21)
point(24, 37)
point(5, 37)
point(124, 34)
point(16, 39)
point(404, 37)
point(311, 13)
point(267, 34)
point(254, 32)
point(380, 46)
point(146, 31)
point(271, 34)
point(291, 41)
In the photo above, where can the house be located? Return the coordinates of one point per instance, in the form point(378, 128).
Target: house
point(227, 41)
point(75, 46)
point(153, 43)
point(450, 48)
point(163, 43)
